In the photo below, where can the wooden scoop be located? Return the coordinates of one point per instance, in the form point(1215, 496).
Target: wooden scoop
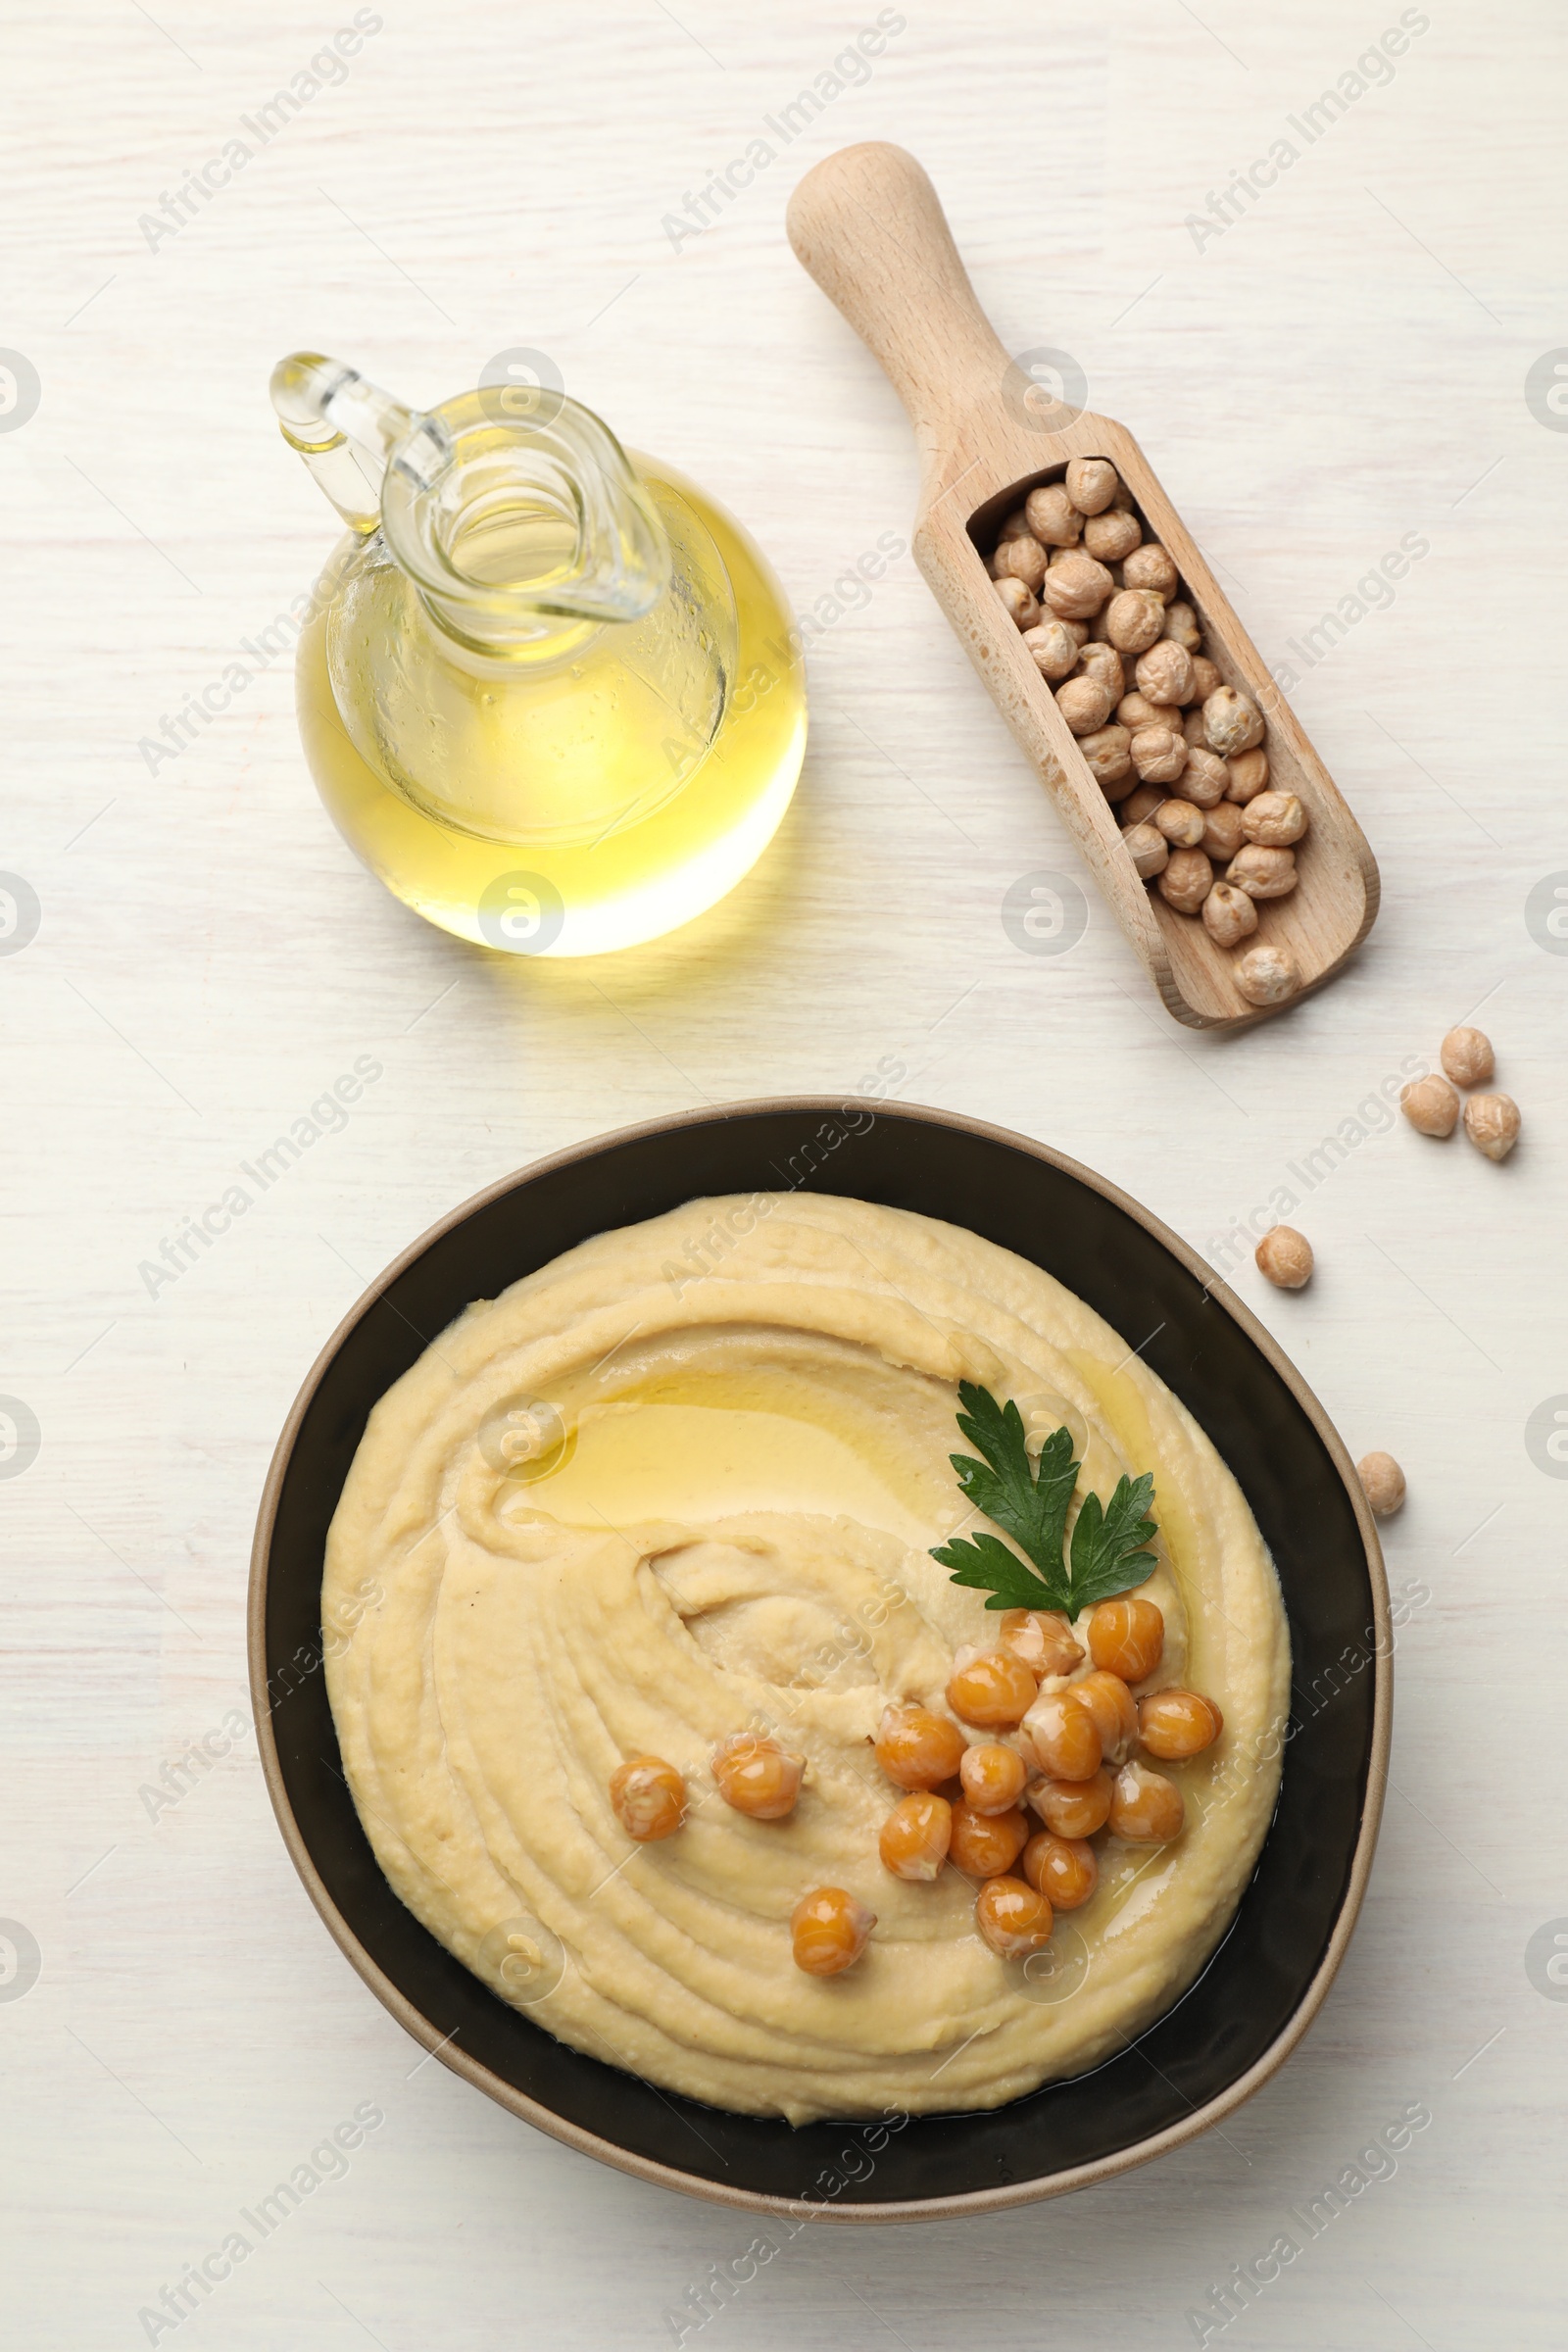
point(867, 225)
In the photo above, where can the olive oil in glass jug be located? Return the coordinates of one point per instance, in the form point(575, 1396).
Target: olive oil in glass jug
point(549, 692)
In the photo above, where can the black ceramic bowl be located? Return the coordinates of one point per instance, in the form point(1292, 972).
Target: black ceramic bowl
point(1265, 1983)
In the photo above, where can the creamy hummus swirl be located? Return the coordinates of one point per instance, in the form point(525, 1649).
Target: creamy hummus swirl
point(626, 1508)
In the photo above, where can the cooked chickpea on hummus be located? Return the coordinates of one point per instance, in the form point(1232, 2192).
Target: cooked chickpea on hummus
point(669, 1724)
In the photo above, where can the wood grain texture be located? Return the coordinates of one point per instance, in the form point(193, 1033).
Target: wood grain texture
point(868, 224)
point(1338, 368)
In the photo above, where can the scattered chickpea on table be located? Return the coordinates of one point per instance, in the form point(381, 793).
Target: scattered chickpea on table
point(1432, 1103)
point(1284, 1258)
point(1381, 1482)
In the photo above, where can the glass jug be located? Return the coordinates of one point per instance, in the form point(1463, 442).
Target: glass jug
point(549, 692)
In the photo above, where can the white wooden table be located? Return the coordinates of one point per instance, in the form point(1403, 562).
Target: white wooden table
point(1343, 365)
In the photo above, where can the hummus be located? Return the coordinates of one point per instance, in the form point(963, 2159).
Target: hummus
point(628, 1508)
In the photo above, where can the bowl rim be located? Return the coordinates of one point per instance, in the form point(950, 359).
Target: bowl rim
point(664, 2176)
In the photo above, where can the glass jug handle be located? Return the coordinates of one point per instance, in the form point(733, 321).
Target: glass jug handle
point(348, 433)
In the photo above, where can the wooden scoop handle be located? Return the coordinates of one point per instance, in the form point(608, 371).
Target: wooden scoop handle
point(868, 224)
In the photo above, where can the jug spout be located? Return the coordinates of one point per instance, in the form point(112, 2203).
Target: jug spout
point(518, 529)
point(343, 429)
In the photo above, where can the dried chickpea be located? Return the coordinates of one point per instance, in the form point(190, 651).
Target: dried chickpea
point(1159, 753)
point(1466, 1055)
point(1148, 850)
point(1077, 586)
point(1052, 649)
point(1248, 774)
point(1181, 823)
point(1053, 517)
point(1077, 630)
point(1092, 483)
point(1284, 1257)
point(993, 1777)
point(1186, 881)
point(1014, 526)
point(919, 1749)
point(1430, 1105)
point(1140, 803)
point(829, 1929)
point(1067, 1870)
point(983, 1845)
point(1127, 1636)
point(1085, 704)
point(1491, 1122)
point(1166, 672)
point(1180, 626)
point(1102, 662)
point(916, 1836)
point(1262, 873)
point(1205, 777)
point(1231, 722)
point(1073, 1808)
point(1134, 618)
point(1022, 558)
point(1042, 1639)
point(995, 1690)
point(1014, 1919)
point(1205, 677)
point(1149, 566)
point(1266, 974)
point(1111, 1703)
point(1229, 914)
point(1145, 1806)
point(1381, 1482)
point(1021, 602)
point(1135, 711)
point(1108, 753)
point(1112, 535)
point(1064, 1736)
point(649, 1799)
point(1222, 838)
point(1274, 819)
point(757, 1775)
point(1174, 1724)
point(1192, 728)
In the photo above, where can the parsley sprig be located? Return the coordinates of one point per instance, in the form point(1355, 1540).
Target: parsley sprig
point(1107, 1554)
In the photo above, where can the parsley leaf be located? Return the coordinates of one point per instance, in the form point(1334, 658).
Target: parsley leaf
point(988, 1565)
point(1033, 1511)
point(1107, 1542)
point(1106, 1554)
